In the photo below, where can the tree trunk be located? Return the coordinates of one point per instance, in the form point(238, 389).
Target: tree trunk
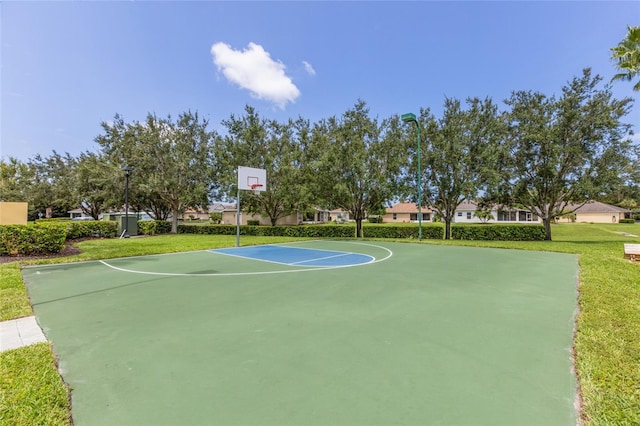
point(174, 222)
point(274, 220)
point(358, 228)
point(547, 228)
point(447, 229)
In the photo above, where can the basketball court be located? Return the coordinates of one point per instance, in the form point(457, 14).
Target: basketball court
point(315, 333)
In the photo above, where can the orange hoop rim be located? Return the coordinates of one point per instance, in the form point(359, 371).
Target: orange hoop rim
point(256, 185)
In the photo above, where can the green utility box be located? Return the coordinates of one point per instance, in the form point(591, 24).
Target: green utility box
point(130, 223)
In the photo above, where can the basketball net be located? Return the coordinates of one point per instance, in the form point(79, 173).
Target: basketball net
point(256, 188)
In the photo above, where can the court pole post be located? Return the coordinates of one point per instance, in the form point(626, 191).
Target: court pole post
point(411, 118)
point(238, 219)
point(127, 170)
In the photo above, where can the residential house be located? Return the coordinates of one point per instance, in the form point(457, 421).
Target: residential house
point(78, 214)
point(466, 213)
point(406, 212)
point(229, 217)
point(319, 215)
point(596, 212)
point(204, 215)
point(315, 215)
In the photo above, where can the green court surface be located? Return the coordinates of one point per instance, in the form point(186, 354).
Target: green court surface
point(406, 334)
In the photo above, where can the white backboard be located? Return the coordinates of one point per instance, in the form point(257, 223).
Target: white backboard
point(248, 176)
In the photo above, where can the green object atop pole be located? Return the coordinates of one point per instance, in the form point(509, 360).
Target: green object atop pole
point(407, 118)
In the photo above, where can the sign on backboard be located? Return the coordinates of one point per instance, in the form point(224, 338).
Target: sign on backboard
point(252, 179)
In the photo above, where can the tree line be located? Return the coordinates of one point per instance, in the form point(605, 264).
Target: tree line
point(539, 152)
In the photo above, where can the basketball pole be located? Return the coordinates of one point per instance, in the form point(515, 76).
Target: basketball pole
point(238, 219)
point(249, 178)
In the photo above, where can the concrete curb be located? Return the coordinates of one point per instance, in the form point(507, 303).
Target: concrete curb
point(20, 332)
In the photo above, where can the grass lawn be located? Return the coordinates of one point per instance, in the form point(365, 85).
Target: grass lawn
point(607, 343)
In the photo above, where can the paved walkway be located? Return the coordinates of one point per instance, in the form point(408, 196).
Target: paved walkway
point(20, 332)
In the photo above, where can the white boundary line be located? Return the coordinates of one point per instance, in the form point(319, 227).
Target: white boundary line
point(331, 257)
point(175, 274)
point(213, 251)
point(339, 253)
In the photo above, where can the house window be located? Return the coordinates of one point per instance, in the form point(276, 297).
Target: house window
point(395, 216)
point(506, 216)
point(468, 215)
point(426, 216)
point(413, 216)
point(459, 214)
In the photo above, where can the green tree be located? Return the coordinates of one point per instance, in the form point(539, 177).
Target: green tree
point(626, 56)
point(484, 215)
point(15, 178)
point(458, 154)
point(51, 187)
point(359, 162)
point(252, 141)
point(628, 204)
point(564, 150)
point(95, 186)
point(172, 161)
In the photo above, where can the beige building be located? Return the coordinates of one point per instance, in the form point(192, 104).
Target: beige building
point(312, 216)
point(229, 216)
point(406, 212)
point(596, 212)
point(13, 213)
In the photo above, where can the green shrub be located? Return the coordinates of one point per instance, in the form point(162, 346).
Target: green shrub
point(375, 219)
point(147, 227)
point(253, 222)
point(98, 228)
point(54, 219)
point(152, 227)
point(74, 230)
point(31, 239)
point(315, 231)
point(500, 232)
point(430, 232)
point(627, 221)
point(49, 236)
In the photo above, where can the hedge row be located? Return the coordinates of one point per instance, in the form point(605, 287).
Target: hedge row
point(271, 231)
point(18, 240)
point(97, 228)
point(502, 232)
point(152, 227)
point(50, 236)
point(498, 232)
point(429, 232)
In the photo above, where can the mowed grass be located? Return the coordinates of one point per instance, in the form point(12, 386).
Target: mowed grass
point(31, 391)
point(607, 344)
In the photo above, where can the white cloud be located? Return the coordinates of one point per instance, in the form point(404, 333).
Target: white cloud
point(309, 68)
point(254, 70)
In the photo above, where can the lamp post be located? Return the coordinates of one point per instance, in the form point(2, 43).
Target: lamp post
point(408, 118)
point(127, 170)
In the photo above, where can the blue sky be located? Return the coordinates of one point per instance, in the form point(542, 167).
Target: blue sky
point(68, 66)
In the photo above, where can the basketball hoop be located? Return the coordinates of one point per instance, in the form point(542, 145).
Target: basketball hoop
point(255, 187)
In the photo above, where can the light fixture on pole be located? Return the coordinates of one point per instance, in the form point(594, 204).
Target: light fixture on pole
point(408, 118)
point(127, 171)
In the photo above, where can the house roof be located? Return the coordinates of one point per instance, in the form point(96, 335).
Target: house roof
point(467, 205)
point(597, 207)
point(406, 207)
